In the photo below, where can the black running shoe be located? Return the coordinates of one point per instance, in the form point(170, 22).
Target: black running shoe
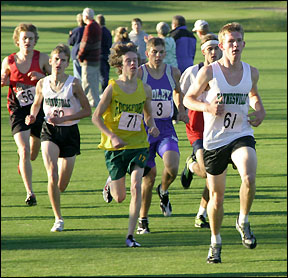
point(248, 238)
point(143, 226)
point(201, 222)
point(165, 204)
point(31, 200)
point(187, 175)
point(131, 242)
point(214, 254)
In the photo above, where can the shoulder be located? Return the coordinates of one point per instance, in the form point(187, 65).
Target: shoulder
point(176, 72)
point(254, 73)
point(147, 89)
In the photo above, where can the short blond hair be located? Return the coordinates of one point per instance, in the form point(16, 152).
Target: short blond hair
point(61, 48)
point(229, 28)
point(24, 27)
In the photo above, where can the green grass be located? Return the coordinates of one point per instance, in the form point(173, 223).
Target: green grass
point(93, 241)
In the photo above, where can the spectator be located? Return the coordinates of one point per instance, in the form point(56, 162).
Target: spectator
point(89, 56)
point(163, 29)
point(201, 27)
point(120, 36)
point(137, 36)
point(106, 44)
point(75, 37)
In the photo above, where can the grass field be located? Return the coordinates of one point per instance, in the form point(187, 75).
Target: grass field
point(93, 243)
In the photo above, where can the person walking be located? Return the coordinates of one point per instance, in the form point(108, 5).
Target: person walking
point(89, 57)
point(123, 136)
point(64, 104)
point(21, 71)
point(228, 132)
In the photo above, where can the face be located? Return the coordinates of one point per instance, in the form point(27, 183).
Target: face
point(136, 26)
point(59, 62)
point(156, 55)
point(26, 40)
point(212, 53)
point(130, 63)
point(232, 45)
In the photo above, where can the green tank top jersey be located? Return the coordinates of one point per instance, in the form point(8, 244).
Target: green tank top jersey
point(124, 117)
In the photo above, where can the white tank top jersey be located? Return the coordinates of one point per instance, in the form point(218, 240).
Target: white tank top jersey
point(233, 123)
point(60, 104)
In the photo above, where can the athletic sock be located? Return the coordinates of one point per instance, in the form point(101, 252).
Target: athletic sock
point(162, 192)
point(201, 211)
point(242, 219)
point(191, 166)
point(216, 239)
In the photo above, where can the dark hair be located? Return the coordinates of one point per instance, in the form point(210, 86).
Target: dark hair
point(179, 20)
point(137, 20)
point(154, 42)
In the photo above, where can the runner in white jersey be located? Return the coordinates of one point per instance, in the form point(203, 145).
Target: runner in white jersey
point(228, 133)
point(64, 104)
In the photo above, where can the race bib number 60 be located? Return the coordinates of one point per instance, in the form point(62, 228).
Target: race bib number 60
point(130, 121)
point(26, 96)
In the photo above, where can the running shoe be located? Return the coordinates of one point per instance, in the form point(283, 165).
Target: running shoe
point(31, 200)
point(58, 226)
point(201, 222)
point(187, 175)
point(143, 226)
point(106, 191)
point(248, 238)
point(214, 254)
point(165, 204)
point(131, 242)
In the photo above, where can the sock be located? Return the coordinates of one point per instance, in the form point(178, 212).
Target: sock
point(191, 166)
point(216, 239)
point(201, 211)
point(162, 192)
point(242, 218)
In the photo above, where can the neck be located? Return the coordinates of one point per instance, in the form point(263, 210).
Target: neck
point(24, 54)
point(58, 77)
point(157, 68)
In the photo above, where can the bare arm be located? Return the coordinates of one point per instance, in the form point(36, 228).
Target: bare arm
point(256, 104)
point(149, 120)
point(30, 119)
point(201, 82)
point(5, 73)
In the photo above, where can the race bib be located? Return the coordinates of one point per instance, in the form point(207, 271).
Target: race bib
point(130, 121)
point(161, 109)
point(26, 96)
point(231, 122)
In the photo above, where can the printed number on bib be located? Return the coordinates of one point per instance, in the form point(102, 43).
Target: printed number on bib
point(130, 121)
point(161, 109)
point(26, 96)
point(58, 113)
point(232, 122)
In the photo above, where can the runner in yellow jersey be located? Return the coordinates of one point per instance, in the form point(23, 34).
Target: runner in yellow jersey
point(119, 116)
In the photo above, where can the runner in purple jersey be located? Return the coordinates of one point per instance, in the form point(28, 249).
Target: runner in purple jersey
point(164, 81)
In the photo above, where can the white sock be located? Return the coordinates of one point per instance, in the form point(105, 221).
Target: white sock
point(216, 239)
point(242, 218)
point(162, 192)
point(201, 211)
point(191, 166)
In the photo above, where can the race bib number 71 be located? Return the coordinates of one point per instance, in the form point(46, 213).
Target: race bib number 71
point(130, 121)
point(26, 96)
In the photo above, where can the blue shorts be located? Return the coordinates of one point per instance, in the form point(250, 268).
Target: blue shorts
point(160, 147)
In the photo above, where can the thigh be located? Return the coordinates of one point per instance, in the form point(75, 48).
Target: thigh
point(50, 154)
point(217, 183)
point(171, 159)
point(22, 139)
point(200, 159)
point(65, 168)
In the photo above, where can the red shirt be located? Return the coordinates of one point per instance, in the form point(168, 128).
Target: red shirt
point(195, 127)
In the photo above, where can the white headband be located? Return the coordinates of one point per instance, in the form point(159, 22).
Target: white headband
point(209, 43)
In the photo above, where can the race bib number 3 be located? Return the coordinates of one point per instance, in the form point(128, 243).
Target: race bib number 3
point(161, 109)
point(26, 96)
point(130, 121)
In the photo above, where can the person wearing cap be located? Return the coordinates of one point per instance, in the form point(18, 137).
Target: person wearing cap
point(201, 27)
point(194, 129)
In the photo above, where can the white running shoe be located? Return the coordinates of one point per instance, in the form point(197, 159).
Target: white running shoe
point(58, 226)
point(106, 191)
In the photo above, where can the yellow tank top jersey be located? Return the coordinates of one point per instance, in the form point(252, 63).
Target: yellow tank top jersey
point(124, 118)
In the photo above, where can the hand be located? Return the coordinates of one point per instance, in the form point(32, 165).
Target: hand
point(154, 131)
point(182, 116)
point(256, 117)
point(215, 108)
point(30, 119)
point(5, 79)
point(117, 142)
point(34, 75)
point(55, 120)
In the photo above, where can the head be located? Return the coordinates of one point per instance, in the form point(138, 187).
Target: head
point(155, 51)
point(177, 21)
point(136, 25)
point(88, 15)
point(79, 19)
point(59, 57)
point(121, 35)
point(162, 28)
point(201, 27)
point(231, 38)
point(122, 54)
point(210, 48)
point(28, 29)
point(100, 19)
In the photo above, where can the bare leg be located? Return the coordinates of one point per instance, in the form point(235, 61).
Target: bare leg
point(65, 169)
point(171, 164)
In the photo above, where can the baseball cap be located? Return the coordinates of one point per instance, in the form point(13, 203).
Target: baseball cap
point(198, 25)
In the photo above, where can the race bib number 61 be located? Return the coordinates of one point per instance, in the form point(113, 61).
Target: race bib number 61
point(130, 121)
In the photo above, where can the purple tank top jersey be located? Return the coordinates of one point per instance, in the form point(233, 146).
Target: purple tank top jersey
point(162, 101)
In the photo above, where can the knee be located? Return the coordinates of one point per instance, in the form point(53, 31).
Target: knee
point(120, 197)
point(24, 152)
point(216, 200)
point(173, 171)
point(135, 190)
point(53, 176)
point(249, 181)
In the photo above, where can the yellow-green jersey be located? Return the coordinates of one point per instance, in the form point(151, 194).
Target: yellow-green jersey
point(124, 117)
